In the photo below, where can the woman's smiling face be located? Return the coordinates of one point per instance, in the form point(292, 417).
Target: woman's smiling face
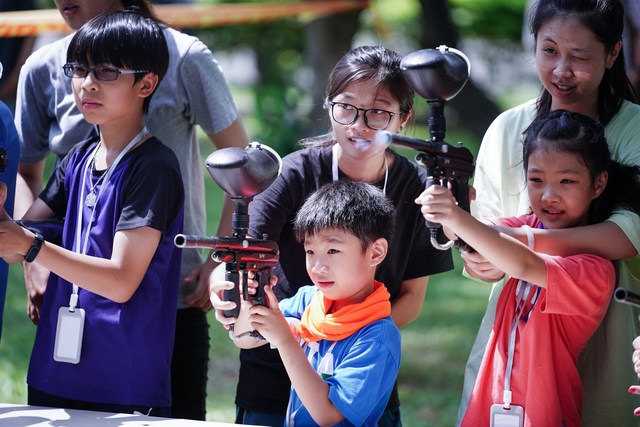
point(571, 62)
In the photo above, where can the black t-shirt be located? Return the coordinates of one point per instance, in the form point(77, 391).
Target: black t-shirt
point(263, 383)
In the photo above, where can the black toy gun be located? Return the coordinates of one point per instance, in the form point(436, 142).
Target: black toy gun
point(242, 174)
point(438, 75)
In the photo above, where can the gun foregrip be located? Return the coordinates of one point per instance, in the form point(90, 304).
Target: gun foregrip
point(461, 194)
point(263, 277)
point(232, 294)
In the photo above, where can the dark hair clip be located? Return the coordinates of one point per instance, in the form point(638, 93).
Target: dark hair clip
point(133, 9)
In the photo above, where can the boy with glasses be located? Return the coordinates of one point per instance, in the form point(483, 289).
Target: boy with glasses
point(105, 337)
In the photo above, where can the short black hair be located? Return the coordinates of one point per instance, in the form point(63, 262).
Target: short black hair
point(124, 39)
point(354, 207)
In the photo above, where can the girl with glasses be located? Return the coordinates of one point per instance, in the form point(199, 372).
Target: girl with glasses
point(366, 92)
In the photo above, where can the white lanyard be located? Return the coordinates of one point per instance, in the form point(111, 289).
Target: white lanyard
point(522, 290)
point(334, 167)
point(325, 363)
point(80, 243)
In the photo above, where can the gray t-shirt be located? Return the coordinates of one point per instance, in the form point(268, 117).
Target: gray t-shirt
point(193, 92)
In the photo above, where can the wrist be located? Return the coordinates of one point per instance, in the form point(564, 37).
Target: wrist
point(34, 249)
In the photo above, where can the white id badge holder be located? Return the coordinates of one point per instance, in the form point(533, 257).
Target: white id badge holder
point(69, 331)
point(501, 417)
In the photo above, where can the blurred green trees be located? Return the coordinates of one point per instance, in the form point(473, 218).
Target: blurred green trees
point(294, 57)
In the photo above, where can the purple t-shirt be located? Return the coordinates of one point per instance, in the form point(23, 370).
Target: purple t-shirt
point(127, 347)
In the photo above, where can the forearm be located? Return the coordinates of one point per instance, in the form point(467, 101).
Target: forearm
point(503, 251)
point(104, 277)
point(116, 278)
point(248, 342)
point(225, 226)
point(406, 307)
point(233, 135)
point(28, 187)
point(311, 388)
point(604, 239)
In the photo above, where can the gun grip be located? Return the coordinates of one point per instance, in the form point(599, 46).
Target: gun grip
point(262, 276)
point(430, 182)
point(232, 294)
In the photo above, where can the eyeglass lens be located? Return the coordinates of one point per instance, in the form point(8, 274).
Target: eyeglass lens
point(101, 72)
point(104, 73)
point(347, 114)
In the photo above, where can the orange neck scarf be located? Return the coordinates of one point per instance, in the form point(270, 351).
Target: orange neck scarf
point(316, 324)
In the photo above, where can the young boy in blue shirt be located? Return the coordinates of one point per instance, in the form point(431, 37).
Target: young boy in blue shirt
point(342, 350)
point(105, 336)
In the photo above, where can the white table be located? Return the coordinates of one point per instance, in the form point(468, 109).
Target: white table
point(14, 415)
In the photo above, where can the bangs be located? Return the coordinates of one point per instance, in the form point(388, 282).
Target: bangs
point(128, 42)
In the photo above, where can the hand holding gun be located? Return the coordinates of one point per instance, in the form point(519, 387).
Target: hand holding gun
point(438, 75)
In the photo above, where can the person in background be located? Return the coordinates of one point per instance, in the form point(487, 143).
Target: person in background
point(105, 337)
point(13, 52)
point(581, 65)
point(366, 93)
point(342, 350)
point(632, 41)
point(9, 156)
point(193, 93)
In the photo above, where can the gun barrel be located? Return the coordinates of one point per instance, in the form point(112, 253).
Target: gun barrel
point(432, 147)
point(626, 296)
point(247, 244)
point(188, 241)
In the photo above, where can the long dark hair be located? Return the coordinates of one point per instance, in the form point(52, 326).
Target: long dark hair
point(372, 64)
point(143, 7)
point(605, 19)
point(574, 133)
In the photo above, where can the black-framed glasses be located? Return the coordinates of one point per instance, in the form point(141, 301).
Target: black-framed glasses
point(105, 73)
point(347, 114)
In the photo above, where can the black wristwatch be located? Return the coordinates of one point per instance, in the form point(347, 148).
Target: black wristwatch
point(35, 248)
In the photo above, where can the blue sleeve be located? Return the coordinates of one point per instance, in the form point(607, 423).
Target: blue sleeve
point(295, 306)
point(11, 144)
